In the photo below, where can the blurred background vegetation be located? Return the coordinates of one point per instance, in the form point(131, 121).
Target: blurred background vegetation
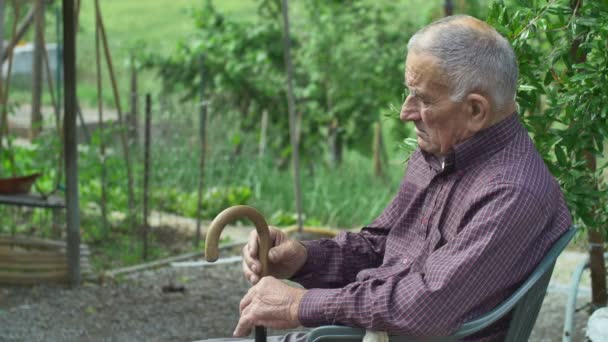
point(348, 69)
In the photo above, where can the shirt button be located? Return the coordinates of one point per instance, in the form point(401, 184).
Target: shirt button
point(405, 261)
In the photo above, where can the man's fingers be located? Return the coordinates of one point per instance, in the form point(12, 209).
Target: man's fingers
point(247, 272)
point(246, 300)
point(251, 262)
point(243, 328)
point(252, 244)
point(280, 253)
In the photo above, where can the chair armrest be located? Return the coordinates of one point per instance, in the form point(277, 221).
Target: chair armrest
point(336, 333)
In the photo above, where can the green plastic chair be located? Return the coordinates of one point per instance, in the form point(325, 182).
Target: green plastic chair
point(525, 304)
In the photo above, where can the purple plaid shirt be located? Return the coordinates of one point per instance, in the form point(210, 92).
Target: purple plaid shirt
point(456, 240)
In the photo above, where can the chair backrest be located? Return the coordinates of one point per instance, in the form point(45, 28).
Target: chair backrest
point(525, 304)
point(526, 301)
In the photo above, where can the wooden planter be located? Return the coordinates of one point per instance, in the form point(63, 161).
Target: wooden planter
point(31, 261)
point(310, 233)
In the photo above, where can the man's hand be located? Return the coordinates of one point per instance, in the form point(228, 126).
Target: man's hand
point(285, 258)
point(271, 303)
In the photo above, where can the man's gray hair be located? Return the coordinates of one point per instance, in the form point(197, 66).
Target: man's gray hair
point(474, 55)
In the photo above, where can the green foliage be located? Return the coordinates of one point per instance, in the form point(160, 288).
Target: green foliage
point(348, 61)
point(563, 93)
point(214, 200)
point(39, 157)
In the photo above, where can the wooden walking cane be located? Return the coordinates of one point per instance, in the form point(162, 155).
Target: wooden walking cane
point(213, 238)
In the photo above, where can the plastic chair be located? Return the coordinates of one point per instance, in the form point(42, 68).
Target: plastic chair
point(525, 304)
point(572, 295)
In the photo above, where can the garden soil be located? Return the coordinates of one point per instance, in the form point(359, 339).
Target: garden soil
point(169, 304)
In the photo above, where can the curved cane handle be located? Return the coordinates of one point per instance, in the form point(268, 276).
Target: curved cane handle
point(229, 215)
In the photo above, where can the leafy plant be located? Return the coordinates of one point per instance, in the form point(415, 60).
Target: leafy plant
point(563, 92)
point(563, 56)
point(348, 61)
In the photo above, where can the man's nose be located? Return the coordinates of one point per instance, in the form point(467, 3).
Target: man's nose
point(410, 111)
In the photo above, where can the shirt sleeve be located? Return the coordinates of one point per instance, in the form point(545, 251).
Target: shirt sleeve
point(335, 262)
point(499, 227)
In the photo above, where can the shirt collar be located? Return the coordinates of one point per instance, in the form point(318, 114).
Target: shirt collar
point(477, 148)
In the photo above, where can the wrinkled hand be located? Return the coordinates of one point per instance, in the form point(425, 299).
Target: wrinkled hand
point(271, 303)
point(285, 257)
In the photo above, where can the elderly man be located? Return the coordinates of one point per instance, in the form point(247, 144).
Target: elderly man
point(475, 213)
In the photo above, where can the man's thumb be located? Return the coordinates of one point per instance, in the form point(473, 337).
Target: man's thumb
point(275, 254)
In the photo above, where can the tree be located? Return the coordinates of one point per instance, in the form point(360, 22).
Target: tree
point(348, 68)
point(562, 51)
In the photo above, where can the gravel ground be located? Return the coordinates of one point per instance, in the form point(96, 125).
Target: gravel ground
point(136, 309)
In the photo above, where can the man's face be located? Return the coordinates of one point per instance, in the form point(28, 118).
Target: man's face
point(440, 122)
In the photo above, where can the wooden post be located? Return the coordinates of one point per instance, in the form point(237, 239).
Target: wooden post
point(377, 146)
point(293, 131)
point(201, 168)
point(263, 132)
point(37, 60)
point(132, 117)
point(448, 8)
point(146, 173)
point(121, 120)
point(71, 155)
point(335, 143)
point(102, 137)
point(597, 263)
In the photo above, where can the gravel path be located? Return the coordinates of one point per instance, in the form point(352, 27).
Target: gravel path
point(137, 309)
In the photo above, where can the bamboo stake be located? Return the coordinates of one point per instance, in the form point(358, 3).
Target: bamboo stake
point(147, 172)
point(293, 126)
point(102, 139)
point(18, 32)
point(77, 14)
point(37, 61)
point(55, 101)
point(4, 94)
point(123, 137)
point(58, 55)
point(263, 130)
point(203, 136)
point(1, 37)
point(377, 152)
point(83, 125)
point(49, 76)
point(132, 117)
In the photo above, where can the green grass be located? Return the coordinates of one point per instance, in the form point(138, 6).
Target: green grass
point(159, 24)
point(348, 196)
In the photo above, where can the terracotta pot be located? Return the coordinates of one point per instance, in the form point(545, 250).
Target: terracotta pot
point(17, 185)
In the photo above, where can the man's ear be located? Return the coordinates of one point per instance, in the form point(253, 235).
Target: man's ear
point(479, 112)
